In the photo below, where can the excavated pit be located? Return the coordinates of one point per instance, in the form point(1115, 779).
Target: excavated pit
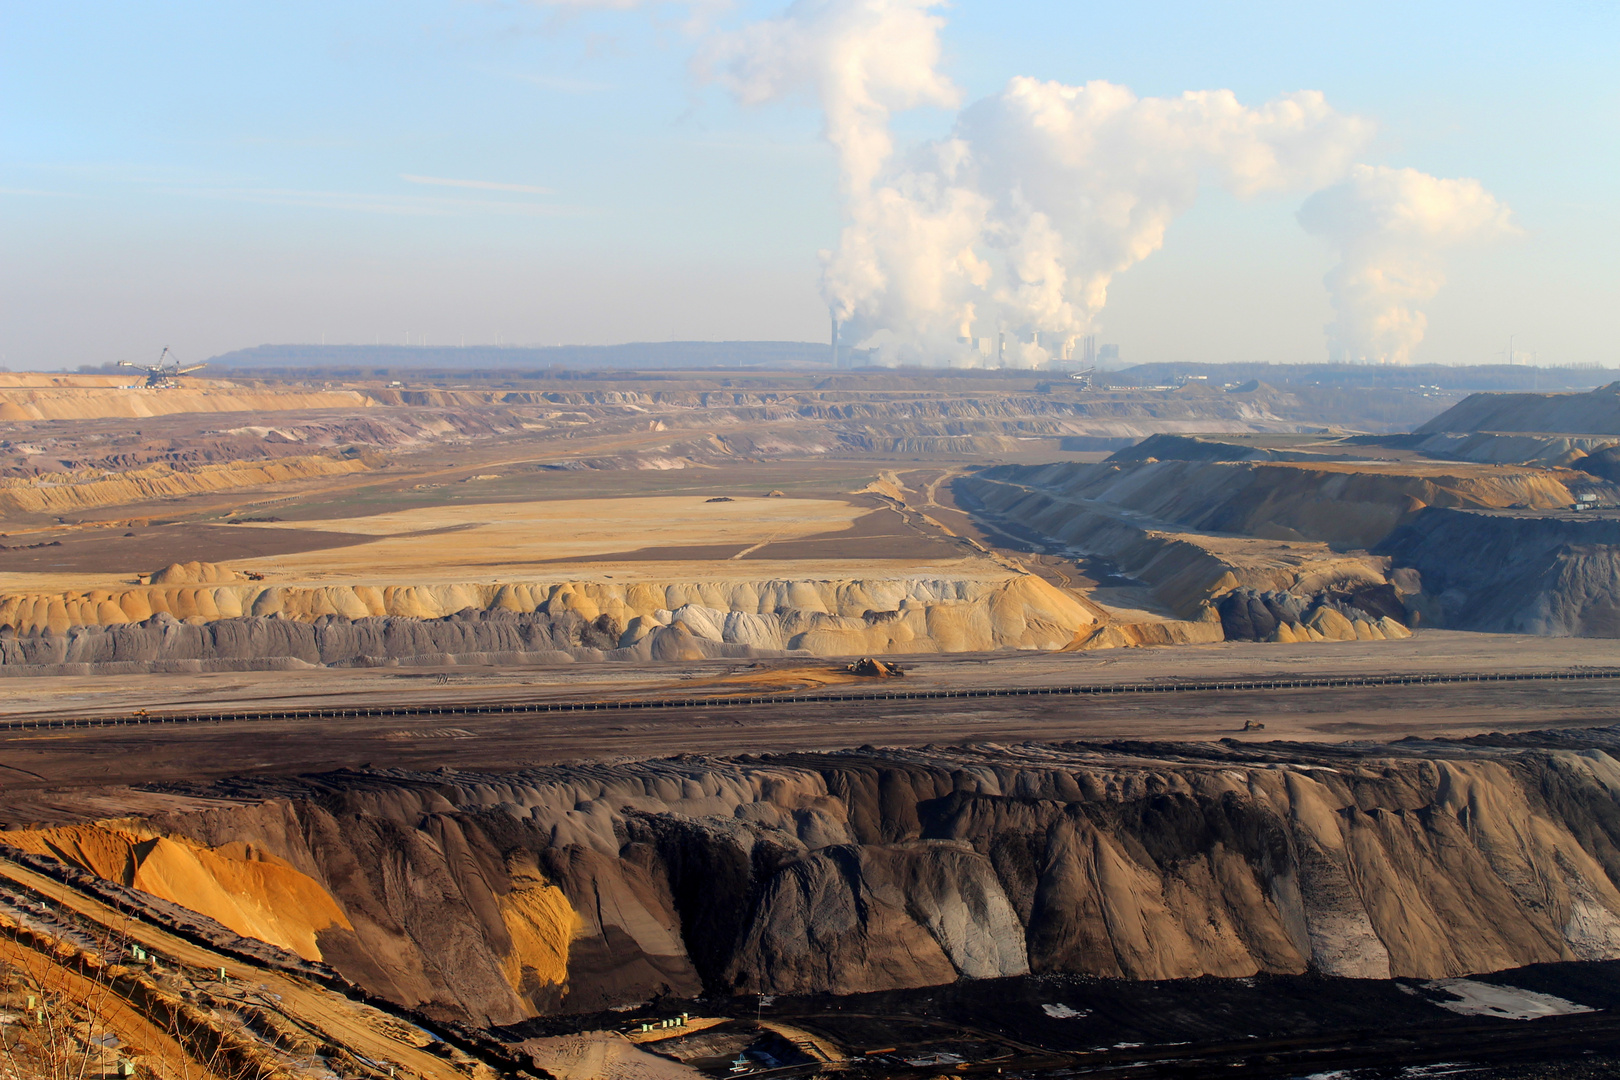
point(493, 897)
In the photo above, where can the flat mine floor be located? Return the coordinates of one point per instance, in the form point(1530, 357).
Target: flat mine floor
point(1307, 1027)
point(88, 772)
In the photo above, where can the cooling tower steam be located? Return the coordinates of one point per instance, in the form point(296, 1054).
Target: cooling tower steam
point(860, 60)
point(1069, 185)
point(1390, 228)
point(997, 244)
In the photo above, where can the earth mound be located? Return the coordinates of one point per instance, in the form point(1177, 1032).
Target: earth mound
point(193, 573)
point(1594, 412)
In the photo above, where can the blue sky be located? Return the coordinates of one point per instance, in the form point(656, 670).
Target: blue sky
point(214, 176)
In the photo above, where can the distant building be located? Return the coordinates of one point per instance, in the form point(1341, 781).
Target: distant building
point(1108, 352)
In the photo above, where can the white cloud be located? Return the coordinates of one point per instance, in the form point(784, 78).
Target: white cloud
point(1391, 228)
point(861, 60)
point(1018, 221)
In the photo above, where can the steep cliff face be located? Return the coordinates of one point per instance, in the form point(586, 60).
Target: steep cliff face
point(234, 623)
point(1187, 570)
point(1367, 614)
point(568, 889)
point(1522, 574)
point(1264, 541)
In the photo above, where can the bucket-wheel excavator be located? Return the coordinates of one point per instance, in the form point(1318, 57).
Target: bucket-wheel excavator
point(165, 374)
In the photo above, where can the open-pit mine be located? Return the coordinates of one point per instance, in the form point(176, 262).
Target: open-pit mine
point(897, 723)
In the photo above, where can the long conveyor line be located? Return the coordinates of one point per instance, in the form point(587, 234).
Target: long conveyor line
point(1162, 686)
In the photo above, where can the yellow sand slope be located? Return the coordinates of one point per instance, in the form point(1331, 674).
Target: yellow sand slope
point(31, 396)
point(428, 563)
point(829, 617)
point(242, 887)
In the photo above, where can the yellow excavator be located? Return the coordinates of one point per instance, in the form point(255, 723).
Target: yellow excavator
point(161, 375)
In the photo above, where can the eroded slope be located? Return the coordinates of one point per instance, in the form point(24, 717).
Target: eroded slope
point(1333, 548)
point(1594, 412)
point(498, 896)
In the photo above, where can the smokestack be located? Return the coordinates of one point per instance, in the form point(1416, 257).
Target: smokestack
point(834, 314)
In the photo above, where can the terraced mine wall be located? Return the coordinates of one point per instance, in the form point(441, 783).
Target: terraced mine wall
point(91, 402)
point(1595, 412)
point(1596, 455)
point(229, 626)
point(494, 897)
point(1273, 546)
point(87, 489)
point(1583, 453)
point(1186, 571)
point(1522, 574)
point(866, 409)
point(1346, 505)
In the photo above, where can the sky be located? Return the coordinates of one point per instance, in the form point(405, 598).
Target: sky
point(213, 176)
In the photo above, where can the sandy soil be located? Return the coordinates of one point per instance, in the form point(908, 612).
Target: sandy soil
point(876, 535)
point(602, 1055)
point(75, 996)
point(510, 536)
point(692, 538)
point(141, 547)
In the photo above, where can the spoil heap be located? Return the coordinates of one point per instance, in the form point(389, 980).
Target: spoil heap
point(234, 625)
point(1594, 412)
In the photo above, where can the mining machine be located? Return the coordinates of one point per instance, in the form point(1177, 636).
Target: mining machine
point(161, 375)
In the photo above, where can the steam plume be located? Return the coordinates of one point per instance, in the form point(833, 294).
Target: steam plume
point(861, 59)
point(1016, 224)
point(1390, 227)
